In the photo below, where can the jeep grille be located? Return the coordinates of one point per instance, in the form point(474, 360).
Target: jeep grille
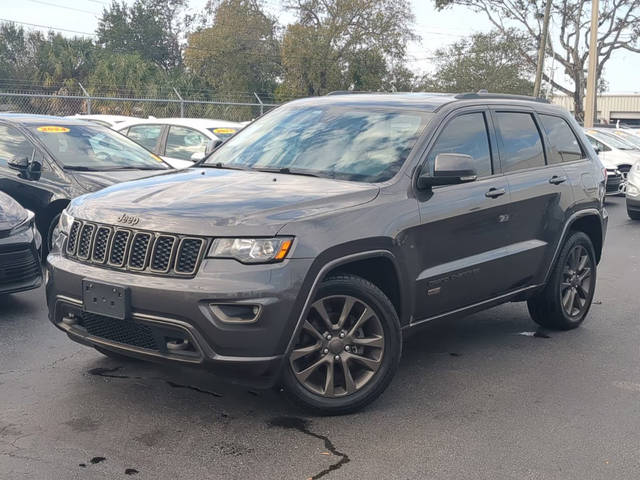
point(135, 250)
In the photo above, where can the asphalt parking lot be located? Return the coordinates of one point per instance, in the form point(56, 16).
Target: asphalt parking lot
point(481, 397)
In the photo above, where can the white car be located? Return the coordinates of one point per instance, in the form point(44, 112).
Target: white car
point(111, 121)
point(180, 141)
point(616, 154)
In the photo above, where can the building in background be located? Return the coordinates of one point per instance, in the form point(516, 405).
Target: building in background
point(611, 107)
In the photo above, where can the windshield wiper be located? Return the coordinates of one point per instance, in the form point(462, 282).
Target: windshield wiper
point(222, 166)
point(287, 171)
point(79, 168)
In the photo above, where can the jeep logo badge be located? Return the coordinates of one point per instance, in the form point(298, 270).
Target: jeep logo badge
point(128, 219)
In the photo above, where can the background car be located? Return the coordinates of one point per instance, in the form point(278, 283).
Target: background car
point(617, 156)
point(622, 133)
point(47, 161)
point(20, 245)
point(180, 141)
point(111, 121)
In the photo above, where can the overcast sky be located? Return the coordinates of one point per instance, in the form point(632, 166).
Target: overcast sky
point(437, 29)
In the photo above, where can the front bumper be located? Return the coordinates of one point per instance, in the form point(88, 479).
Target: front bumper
point(20, 267)
point(163, 308)
point(614, 179)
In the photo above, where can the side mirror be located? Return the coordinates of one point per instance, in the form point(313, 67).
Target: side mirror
point(597, 149)
point(449, 169)
point(34, 170)
point(19, 163)
point(196, 157)
point(212, 145)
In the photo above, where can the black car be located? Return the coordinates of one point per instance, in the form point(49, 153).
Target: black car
point(309, 244)
point(46, 161)
point(20, 244)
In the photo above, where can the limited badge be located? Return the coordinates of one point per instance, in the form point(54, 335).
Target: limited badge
point(53, 129)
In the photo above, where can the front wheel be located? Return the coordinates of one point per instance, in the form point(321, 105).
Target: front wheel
point(566, 299)
point(348, 350)
point(633, 214)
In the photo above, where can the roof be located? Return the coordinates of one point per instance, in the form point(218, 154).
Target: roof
point(201, 123)
point(26, 119)
point(424, 100)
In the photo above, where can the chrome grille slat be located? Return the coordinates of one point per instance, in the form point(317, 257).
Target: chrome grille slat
point(101, 245)
point(163, 252)
point(135, 250)
point(139, 250)
point(85, 242)
point(188, 253)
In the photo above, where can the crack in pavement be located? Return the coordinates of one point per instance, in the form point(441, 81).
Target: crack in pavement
point(110, 373)
point(302, 425)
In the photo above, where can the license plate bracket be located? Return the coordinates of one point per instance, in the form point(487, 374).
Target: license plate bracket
point(105, 299)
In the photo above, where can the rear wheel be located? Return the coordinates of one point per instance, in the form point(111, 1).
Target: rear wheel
point(348, 350)
point(566, 299)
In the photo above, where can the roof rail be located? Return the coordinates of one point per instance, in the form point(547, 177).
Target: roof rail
point(485, 94)
point(350, 92)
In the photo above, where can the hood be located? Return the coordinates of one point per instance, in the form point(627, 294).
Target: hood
point(92, 181)
point(615, 158)
point(208, 201)
point(11, 213)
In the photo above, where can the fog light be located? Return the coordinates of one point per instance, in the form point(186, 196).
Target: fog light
point(236, 313)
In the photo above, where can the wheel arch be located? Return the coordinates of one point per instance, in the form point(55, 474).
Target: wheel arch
point(591, 225)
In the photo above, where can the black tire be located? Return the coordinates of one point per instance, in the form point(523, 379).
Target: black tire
point(384, 319)
point(633, 215)
point(115, 355)
point(46, 227)
point(547, 308)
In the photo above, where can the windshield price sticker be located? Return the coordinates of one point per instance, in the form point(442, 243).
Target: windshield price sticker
point(52, 129)
point(224, 131)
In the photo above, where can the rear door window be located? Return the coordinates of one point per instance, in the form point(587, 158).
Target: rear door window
point(185, 143)
point(563, 142)
point(146, 135)
point(521, 141)
point(466, 134)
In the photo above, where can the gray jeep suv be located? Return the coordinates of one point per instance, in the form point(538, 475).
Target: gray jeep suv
point(304, 249)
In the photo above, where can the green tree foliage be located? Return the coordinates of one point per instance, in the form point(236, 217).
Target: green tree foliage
point(62, 60)
point(482, 61)
point(334, 43)
point(150, 28)
point(239, 51)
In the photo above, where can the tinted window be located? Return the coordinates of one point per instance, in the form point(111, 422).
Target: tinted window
point(563, 142)
point(184, 143)
point(13, 144)
point(466, 134)
point(146, 135)
point(522, 145)
point(93, 147)
point(350, 142)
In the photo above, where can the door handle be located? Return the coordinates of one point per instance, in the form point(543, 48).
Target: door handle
point(495, 192)
point(557, 180)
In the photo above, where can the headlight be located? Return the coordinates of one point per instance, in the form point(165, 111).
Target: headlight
point(25, 225)
point(251, 250)
point(66, 220)
point(636, 167)
point(632, 190)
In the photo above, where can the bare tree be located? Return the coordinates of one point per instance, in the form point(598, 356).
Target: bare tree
point(619, 28)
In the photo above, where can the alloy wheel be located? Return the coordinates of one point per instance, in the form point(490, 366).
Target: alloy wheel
point(340, 348)
point(576, 284)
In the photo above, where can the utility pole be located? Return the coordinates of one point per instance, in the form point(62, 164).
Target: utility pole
point(590, 107)
point(541, 48)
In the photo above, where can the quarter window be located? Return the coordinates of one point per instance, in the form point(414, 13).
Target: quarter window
point(146, 135)
point(466, 134)
point(185, 143)
point(521, 142)
point(563, 142)
point(13, 144)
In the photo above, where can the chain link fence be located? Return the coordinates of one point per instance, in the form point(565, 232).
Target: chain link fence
point(63, 105)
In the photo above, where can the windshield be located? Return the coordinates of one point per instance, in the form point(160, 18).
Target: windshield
point(610, 140)
point(356, 143)
point(223, 133)
point(628, 137)
point(94, 147)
